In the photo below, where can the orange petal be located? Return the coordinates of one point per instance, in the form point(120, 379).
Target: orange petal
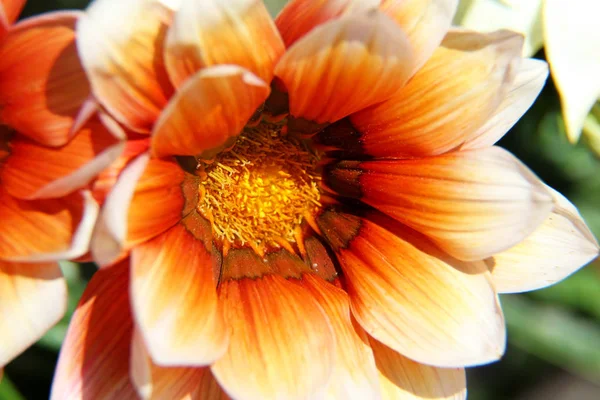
point(33, 171)
point(473, 204)
point(413, 297)
point(212, 32)
point(46, 230)
point(43, 83)
point(10, 9)
point(213, 106)
point(451, 96)
point(34, 298)
point(155, 382)
point(556, 249)
point(354, 373)
point(529, 81)
point(94, 358)
point(402, 378)
point(174, 281)
point(281, 342)
point(425, 21)
point(149, 198)
point(299, 17)
point(344, 66)
point(121, 46)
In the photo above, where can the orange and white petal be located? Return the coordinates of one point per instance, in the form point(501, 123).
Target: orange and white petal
point(411, 296)
point(174, 295)
point(155, 382)
point(344, 66)
point(473, 204)
point(209, 388)
point(559, 247)
point(447, 100)
point(209, 109)
point(34, 298)
point(299, 17)
point(94, 358)
point(46, 230)
point(43, 83)
point(121, 45)
point(281, 342)
point(425, 21)
point(404, 379)
point(354, 373)
point(32, 171)
point(150, 196)
point(212, 32)
point(529, 81)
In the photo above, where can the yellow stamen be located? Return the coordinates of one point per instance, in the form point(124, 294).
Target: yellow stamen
point(258, 193)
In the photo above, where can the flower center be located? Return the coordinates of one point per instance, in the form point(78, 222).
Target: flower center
point(259, 192)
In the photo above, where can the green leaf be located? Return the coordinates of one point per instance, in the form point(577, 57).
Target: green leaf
point(8, 391)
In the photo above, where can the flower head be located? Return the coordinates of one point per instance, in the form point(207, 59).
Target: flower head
point(321, 209)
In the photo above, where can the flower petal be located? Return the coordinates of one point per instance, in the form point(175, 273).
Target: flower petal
point(212, 32)
point(529, 81)
point(299, 17)
point(354, 373)
point(33, 171)
point(34, 298)
point(556, 249)
point(281, 342)
point(148, 198)
point(451, 96)
point(208, 387)
point(174, 295)
point(43, 83)
point(344, 66)
point(94, 358)
point(425, 21)
point(10, 10)
point(155, 382)
point(473, 204)
point(404, 379)
point(210, 108)
point(46, 230)
point(413, 297)
point(121, 44)
point(572, 40)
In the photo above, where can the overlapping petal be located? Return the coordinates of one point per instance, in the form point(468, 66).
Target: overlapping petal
point(211, 32)
point(33, 171)
point(34, 298)
point(425, 21)
point(557, 248)
point(403, 379)
point(473, 204)
point(299, 17)
point(411, 296)
point(46, 230)
point(121, 45)
point(43, 83)
point(211, 108)
point(320, 70)
point(94, 358)
point(433, 114)
point(174, 295)
point(281, 340)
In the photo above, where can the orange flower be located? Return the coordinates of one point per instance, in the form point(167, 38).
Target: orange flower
point(48, 150)
point(321, 211)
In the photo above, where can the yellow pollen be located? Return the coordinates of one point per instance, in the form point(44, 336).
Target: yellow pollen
point(258, 192)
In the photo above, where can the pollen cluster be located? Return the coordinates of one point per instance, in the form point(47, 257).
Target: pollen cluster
point(258, 192)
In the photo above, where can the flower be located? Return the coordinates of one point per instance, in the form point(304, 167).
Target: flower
point(321, 209)
point(568, 32)
point(46, 156)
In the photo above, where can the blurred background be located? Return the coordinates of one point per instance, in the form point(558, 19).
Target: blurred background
point(553, 334)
